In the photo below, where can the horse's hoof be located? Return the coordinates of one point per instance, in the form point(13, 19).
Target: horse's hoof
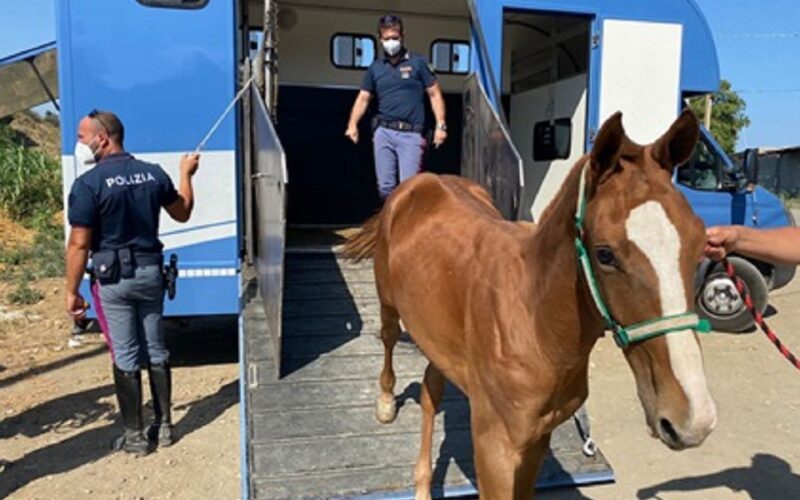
point(385, 409)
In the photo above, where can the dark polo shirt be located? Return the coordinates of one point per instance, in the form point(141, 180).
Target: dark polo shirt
point(120, 198)
point(400, 88)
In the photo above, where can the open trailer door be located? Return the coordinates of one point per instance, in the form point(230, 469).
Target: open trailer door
point(269, 187)
point(650, 74)
point(488, 155)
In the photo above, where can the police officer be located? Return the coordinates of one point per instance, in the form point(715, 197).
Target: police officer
point(400, 79)
point(114, 214)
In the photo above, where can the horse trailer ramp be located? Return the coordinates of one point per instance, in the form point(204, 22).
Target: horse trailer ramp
point(312, 432)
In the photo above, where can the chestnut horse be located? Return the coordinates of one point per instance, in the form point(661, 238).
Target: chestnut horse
point(509, 312)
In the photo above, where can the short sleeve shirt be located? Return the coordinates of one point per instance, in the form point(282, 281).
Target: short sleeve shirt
point(400, 89)
point(120, 198)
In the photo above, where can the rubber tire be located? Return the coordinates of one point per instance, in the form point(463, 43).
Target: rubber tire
point(756, 286)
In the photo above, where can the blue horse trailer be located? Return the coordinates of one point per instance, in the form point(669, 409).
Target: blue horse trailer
point(552, 71)
point(168, 73)
point(527, 84)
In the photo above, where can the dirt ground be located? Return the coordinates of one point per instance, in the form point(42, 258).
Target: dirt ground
point(14, 235)
point(58, 416)
point(58, 413)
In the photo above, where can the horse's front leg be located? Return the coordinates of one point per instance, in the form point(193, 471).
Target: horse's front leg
point(505, 471)
point(432, 389)
point(386, 407)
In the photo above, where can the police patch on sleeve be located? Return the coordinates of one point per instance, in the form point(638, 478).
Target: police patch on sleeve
point(430, 67)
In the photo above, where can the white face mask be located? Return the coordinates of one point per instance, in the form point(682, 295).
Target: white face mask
point(84, 154)
point(392, 47)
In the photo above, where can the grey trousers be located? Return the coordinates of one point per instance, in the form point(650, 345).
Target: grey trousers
point(133, 310)
point(397, 155)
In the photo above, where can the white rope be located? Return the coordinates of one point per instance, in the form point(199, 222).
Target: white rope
point(239, 95)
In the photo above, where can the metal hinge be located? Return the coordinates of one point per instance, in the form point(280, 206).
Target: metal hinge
point(595, 40)
point(592, 135)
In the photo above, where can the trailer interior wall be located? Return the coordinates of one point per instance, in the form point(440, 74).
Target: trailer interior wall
point(306, 29)
point(545, 72)
point(333, 181)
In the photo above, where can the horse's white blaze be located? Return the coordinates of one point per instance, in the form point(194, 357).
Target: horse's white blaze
point(650, 229)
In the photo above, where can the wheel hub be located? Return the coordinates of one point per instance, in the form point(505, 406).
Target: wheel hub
point(721, 297)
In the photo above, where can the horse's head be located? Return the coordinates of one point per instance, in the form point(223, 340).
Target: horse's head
point(644, 242)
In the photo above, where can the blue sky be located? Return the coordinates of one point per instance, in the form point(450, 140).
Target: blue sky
point(26, 23)
point(765, 69)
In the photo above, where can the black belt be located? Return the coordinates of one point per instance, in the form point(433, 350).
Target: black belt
point(401, 126)
point(148, 258)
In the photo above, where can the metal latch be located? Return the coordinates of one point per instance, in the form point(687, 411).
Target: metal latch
point(261, 175)
point(252, 381)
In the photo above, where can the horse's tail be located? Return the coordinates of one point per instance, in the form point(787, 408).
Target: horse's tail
point(362, 245)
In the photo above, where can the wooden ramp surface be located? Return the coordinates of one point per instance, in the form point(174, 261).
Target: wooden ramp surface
point(313, 434)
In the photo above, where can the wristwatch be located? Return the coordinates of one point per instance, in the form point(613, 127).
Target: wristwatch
point(441, 126)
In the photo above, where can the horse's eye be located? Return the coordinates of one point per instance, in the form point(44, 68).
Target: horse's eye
point(606, 257)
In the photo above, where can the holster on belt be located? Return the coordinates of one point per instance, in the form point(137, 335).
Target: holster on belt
point(171, 276)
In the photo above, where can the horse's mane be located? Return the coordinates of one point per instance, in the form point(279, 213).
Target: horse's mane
point(567, 196)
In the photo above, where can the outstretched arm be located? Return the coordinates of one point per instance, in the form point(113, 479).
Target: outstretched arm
point(181, 208)
point(780, 246)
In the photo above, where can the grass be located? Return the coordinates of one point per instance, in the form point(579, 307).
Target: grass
point(31, 195)
point(30, 185)
point(24, 295)
point(42, 259)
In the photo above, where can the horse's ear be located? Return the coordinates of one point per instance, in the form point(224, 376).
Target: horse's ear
point(607, 145)
point(676, 146)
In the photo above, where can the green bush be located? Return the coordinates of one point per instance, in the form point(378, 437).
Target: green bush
point(31, 195)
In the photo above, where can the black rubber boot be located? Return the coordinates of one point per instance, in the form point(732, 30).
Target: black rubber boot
point(161, 391)
point(128, 386)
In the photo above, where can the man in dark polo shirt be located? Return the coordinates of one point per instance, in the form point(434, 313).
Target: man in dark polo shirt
point(114, 213)
point(400, 79)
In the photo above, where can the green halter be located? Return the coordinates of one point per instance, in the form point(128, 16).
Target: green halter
point(625, 336)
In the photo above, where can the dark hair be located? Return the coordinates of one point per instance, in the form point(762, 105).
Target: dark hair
point(390, 21)
point(110, 123)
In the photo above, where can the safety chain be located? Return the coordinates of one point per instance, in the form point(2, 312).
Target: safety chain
point(757, 315)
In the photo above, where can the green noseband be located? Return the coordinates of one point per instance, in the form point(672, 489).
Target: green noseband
point(631, 334)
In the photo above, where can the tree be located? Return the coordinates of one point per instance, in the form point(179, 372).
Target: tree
point(727, 115)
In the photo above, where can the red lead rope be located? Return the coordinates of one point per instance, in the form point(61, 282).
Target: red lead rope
point(759, 318)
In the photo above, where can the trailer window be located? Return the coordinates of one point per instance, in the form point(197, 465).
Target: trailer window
point(450, 56)
point(552, 140)
point(352, 50)
point(175, 4)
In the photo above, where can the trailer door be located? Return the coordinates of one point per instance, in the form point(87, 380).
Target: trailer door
point(643, 83)
point(269, 182)
point(488, 156)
